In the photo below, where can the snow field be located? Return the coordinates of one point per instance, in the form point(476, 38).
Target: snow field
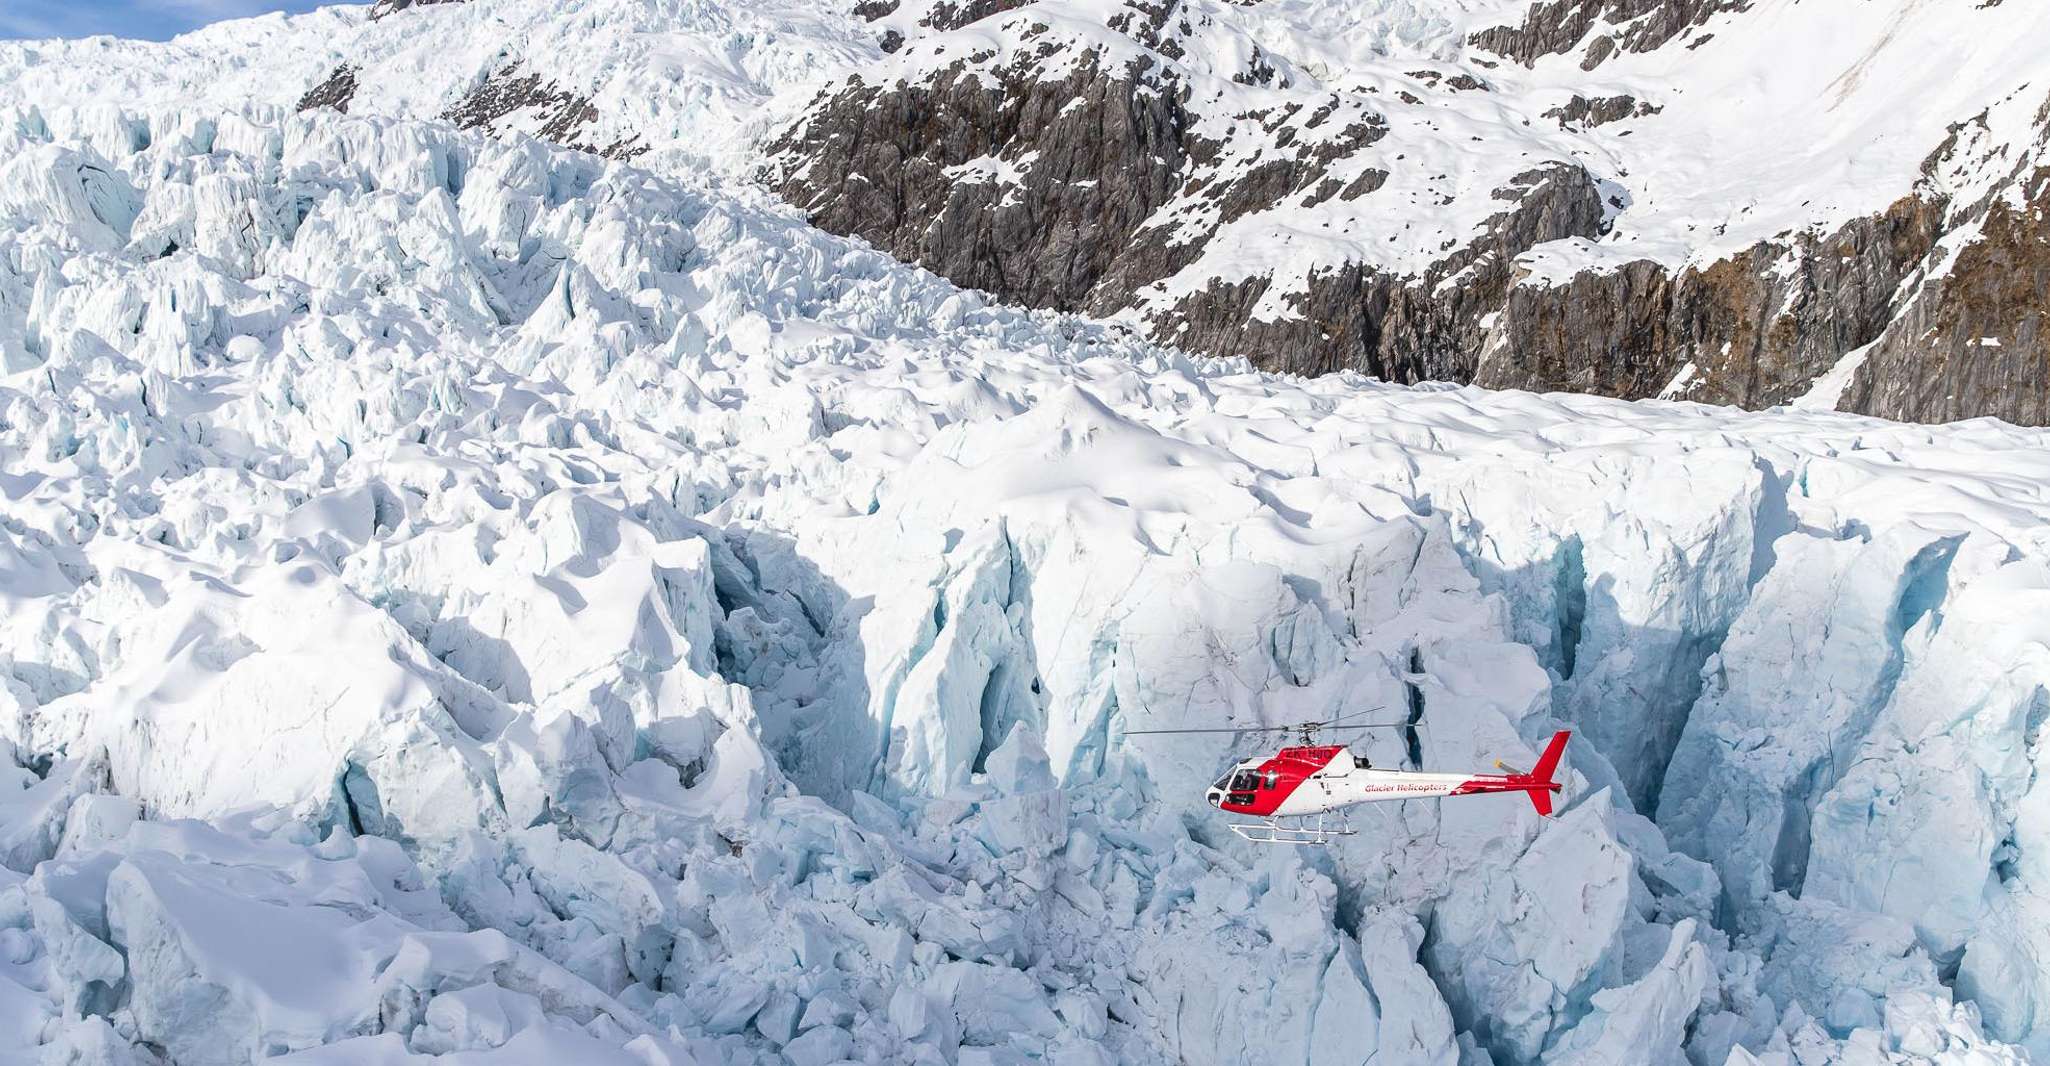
point(1757, 124)
point(465, 598)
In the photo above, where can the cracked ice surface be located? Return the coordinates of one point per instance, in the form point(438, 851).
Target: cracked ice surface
point(464, 598)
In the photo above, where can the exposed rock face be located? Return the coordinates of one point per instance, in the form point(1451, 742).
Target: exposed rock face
point(1600, 111)
point(1006, 188)
point(335, 92)
point(1077, 193)
point(1112, 175)
point(1558, 27)
point(1757, 328)
point(382, 8)
point(561, 116)
point(1393, 326)
point(1077, 167)
point(1944, 301)
point(950, 14)
point(1071, 192)
point(1976, 341)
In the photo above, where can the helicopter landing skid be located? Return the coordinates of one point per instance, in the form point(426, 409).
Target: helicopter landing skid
point(1273, 832)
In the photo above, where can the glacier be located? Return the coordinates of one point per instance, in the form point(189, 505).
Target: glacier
point(469, 599)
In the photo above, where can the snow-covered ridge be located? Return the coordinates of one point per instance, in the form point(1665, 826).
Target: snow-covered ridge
point(1589, 195)
point(684, 78)
point(590, 614)
point(1559, 195)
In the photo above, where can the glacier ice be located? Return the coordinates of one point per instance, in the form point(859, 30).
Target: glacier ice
point(468, 599)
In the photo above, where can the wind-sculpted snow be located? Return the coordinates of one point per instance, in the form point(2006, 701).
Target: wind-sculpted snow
point(467, 597)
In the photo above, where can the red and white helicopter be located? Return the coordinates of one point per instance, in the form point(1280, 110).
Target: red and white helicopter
point(1309, 778)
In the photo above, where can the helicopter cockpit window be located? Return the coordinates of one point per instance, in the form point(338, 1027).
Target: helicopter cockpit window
point(1246, 781)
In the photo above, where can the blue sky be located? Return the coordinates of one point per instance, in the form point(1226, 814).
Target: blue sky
point(154, 19)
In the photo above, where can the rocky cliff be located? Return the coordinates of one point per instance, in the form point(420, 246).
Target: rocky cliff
point(1755, 329)
point(1751, 202)
point(1168, 163)
point(1973, 338)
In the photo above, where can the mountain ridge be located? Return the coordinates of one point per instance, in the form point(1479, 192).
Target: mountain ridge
point(468, 599)
point(1234, 179)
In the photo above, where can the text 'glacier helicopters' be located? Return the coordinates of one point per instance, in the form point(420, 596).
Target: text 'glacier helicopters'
point(1309, 778)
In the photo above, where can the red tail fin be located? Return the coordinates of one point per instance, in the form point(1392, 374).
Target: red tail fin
point(1541, 784)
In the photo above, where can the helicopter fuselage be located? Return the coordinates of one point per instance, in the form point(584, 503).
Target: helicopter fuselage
point(1313, 779)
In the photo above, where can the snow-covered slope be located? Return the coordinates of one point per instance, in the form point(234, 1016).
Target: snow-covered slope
point(686, 79)
point(1752, 202)
point(1636, 197)
point(467, 596)
point(1758, 120)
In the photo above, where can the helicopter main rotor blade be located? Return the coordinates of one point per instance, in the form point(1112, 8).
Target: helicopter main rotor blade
point(1273, 728)
point(1353, 714)
point(1223, 729)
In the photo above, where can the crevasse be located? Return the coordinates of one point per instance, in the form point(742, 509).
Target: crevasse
point(466, 596)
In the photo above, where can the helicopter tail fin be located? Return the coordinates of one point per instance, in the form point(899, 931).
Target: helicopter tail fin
point(1541, 784)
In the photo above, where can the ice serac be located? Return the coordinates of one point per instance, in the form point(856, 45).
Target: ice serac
point(186, 738)
point(1524, 949)
point(1412, 1021)
point(594, 616)
point(1570, 194)
point(1848, 981)
point(1639, 1022)
point(1627, 586)
point(972, 685)
point(1790, 699)
point(1941, 791)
